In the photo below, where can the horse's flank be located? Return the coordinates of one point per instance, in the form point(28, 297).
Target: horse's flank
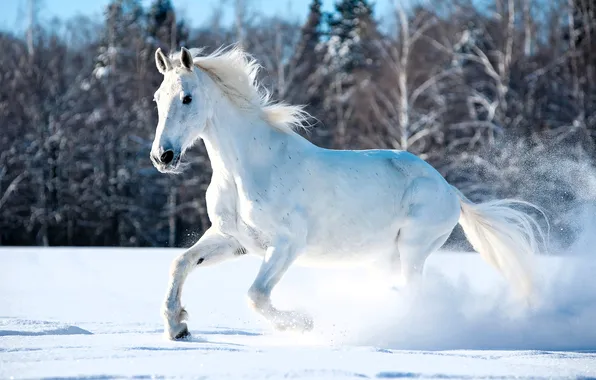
point(235, 72)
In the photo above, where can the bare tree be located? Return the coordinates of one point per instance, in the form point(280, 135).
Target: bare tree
point(482, 91)
point(395, 104)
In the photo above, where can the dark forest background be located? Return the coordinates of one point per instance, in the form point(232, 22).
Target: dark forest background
point(499, 96)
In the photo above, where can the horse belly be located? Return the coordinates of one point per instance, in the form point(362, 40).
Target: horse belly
point(347, 253)
point(352, 242)
point(356, 213)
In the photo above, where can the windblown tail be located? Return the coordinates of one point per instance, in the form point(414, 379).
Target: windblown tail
point(505, 237)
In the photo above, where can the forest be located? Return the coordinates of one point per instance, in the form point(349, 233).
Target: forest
point(499, 96)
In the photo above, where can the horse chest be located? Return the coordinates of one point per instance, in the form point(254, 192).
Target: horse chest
point(255, 222)
point(245, 219)
point(252, 237)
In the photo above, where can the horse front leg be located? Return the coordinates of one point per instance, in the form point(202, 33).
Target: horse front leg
point(276, 262)
point(212, 248)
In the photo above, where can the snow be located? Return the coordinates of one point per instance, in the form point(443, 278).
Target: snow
point(94, 314)
point(101, 72)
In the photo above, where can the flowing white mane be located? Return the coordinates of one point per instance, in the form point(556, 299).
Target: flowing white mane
point(235, 72)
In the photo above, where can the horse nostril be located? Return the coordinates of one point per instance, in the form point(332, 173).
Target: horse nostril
point(167, 156)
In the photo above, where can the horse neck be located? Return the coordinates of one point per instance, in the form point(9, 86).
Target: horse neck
point(240, 142)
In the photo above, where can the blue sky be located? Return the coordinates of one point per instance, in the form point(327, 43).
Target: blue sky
point(13, 12)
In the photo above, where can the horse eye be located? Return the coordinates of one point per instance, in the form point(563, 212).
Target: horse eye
point(187, 99)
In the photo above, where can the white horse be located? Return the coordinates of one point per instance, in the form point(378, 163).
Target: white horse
point(276, 195)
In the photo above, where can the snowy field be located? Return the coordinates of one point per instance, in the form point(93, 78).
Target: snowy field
point(94, 314)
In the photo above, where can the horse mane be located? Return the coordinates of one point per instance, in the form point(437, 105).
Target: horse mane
point(235, 72)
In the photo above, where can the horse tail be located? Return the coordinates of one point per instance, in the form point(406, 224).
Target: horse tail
point(506, 238)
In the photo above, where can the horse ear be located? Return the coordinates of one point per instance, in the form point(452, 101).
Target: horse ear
point(162, 62)
point(186, 58)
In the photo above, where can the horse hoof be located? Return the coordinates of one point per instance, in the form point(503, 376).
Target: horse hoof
point(295, 321)
point(183, 334)
point(177, 332)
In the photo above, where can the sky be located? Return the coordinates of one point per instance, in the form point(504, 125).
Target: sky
point(13, 12)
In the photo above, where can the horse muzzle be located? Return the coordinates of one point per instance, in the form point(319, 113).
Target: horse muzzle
point(166, 161)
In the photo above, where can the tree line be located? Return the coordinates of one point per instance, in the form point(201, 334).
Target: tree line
point(499, 97)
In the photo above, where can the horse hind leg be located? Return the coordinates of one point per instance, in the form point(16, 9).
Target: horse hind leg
point(432, 214)
point(393, 270)
point(415, 244)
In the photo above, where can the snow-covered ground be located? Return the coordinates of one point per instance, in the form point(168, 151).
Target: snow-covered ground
point(94, 313)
